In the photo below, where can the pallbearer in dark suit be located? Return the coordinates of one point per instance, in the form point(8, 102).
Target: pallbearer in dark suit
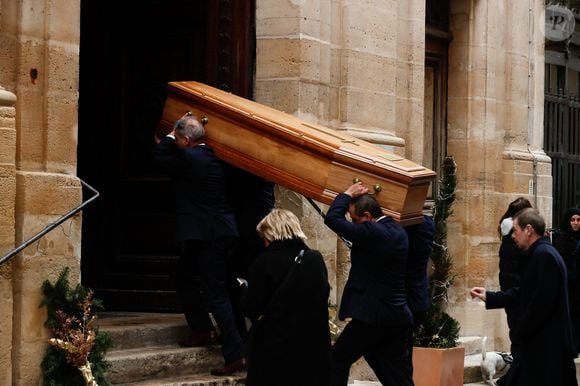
point(374, 295)
point(207, 233)
point(416, 279)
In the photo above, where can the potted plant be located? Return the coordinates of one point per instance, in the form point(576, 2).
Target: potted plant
point(437, 361)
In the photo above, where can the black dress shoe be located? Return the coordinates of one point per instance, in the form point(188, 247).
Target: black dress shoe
point(199, 339)
point(231, 367)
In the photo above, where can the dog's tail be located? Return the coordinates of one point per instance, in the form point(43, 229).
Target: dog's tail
point(483, 350)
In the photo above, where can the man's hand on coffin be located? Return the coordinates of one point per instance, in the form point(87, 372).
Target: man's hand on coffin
point(356, 189)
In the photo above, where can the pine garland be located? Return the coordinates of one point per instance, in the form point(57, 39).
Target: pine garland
point(76, 355)
point(439, 329)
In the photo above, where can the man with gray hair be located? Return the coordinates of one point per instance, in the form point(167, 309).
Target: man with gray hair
point(547, 352)
point(206, 231)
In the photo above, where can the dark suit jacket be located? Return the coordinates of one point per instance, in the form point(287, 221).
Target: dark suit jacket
point(202, 208)
point(416, 280)
point(545, 333)
point(375, 290)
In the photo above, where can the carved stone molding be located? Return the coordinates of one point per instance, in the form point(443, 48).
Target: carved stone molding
point(376, 137)
point(6, 97)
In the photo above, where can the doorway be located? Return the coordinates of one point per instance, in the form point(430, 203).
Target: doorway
point(129, 51)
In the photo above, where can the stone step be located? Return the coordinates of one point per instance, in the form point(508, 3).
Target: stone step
point(472, 368)
point(147, 353)
point(134, 330)
point(155, 362)
point(198, 380)
point(472, 344)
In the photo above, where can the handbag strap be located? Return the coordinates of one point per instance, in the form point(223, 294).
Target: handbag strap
point(297, 261)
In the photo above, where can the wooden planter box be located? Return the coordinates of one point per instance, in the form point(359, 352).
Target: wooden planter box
point(438, 367)
point(310, 159)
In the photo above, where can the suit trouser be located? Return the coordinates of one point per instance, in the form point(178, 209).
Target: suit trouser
point(383, 347)
point(201, 280)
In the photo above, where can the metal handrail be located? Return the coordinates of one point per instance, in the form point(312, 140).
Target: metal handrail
point(53, 225)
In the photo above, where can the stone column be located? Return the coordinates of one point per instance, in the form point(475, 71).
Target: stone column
point(45, 76)
point(495, 133)
point(7, 230)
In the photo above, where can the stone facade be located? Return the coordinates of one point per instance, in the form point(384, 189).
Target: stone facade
point(359, 67)
point(356, 66)
point(495, 132)
point(39, 45)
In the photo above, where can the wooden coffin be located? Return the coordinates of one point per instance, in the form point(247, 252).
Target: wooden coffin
point(310, 159)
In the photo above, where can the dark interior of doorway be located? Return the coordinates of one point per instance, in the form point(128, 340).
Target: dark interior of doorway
point(129, 51)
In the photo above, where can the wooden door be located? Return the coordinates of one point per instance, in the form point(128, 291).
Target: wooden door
point(129, 51)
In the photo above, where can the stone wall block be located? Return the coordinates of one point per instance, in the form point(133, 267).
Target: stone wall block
point(63, 68)
point(411, 40)
point(7, 143)
point(281, 94)
point(6, 306)
point(314, 106)
point(311, 23)
point(8, 44)
point(518, 121)
point(335, 22)
point(414, 132)
point(278, 58)
point(370, 30)
point(277, 18)
point(480, 23)
point(370, 72)
point(9, 19)
point(30, 335)
point(518, 84)
point(271, 9)
point(310, 60)
point(32, 16)
point(7, 229)
point(61, 132)
point(335, 75)
point(333, 106)
point(368, 108)
point(7, 207)
point(62, 193)
point(31, 130)
point(62, 240)
point(278, 27)
point(32, 56)
point(63, 20)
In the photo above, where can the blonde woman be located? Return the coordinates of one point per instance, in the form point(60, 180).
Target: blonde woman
point(287, 300)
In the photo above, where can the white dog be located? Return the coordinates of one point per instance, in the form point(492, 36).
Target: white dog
point(493, 364)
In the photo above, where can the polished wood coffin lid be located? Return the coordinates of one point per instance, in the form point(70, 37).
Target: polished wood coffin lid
point(310, 159)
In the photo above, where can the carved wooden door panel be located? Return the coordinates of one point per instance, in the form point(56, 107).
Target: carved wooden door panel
point(129, 51)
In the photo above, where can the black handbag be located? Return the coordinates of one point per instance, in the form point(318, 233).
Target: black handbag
point(297, 261)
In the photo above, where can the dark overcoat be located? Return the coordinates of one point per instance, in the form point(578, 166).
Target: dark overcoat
point(547, 353)
point(290, 345)
point(202, 209)
point(416, 279)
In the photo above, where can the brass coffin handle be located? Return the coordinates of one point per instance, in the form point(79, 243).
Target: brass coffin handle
point(377, 188)
point(204, 120)
point(355, 180)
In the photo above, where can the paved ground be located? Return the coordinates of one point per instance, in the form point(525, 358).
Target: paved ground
point(365, 383)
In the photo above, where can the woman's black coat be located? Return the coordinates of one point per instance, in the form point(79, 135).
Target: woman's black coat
point(567, 242)
point(290, 345)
